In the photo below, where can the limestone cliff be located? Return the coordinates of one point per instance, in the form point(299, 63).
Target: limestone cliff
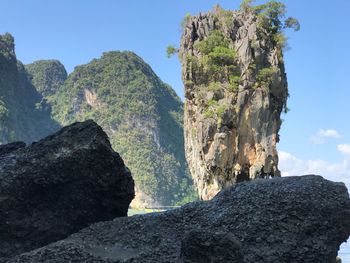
point(235, 91)
point(24, 113)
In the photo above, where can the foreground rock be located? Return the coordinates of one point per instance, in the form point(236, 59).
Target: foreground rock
point(58, 186)
point(294, 219)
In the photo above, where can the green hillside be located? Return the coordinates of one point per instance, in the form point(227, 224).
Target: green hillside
point(141, 114)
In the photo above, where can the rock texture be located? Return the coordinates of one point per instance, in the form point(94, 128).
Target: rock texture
point(234, 96)
point(59, 185)
point(142, 115)
point(293, 219)
point(207, 246)
point(24, 113)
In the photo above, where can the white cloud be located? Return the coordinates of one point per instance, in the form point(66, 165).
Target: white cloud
point(291, 165)
point(344, 148)
point(322, 135)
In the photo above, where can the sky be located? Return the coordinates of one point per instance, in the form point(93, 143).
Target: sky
point(315, 134)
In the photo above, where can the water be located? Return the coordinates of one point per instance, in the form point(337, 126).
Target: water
point(344, 252)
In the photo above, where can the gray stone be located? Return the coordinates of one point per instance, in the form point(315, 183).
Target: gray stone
point(210, 247)
point(59, 185)
point(294, 219)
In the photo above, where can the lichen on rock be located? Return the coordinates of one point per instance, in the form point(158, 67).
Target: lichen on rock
point(235, 91)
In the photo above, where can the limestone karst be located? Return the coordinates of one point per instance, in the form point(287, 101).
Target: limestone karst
point(235, 91)
point(24, 114)
point(142, 115)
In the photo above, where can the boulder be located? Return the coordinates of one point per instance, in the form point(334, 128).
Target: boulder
point(291, 219)
point(59, 185)
point(210, 247)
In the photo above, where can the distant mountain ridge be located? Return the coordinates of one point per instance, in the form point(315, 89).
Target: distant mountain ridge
point(141, 115)
point(24, 113)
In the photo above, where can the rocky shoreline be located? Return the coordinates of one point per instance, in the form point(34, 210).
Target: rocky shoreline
point(291, 219)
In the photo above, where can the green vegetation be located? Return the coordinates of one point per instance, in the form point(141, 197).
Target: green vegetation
point(213, 66)
point(217, 62)
point(224, 17)
point(271, 15)
point(246, 5)
point(234, 83)
point(3, 111)
point(20, 116)
point(142, 116)
point(47, 75)
point(171, 50)
point(215, 109)
point(265, 77)
point(271, 18)
point(215, 39)
point(293, 23)
point(185, 20)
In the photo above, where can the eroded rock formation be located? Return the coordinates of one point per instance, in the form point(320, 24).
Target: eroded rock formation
point(294, 219)
point(59, 185)
point(235, 90)
point(24, 114)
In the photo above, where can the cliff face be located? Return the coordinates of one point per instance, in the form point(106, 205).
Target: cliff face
point(235, 90)
point(47, 76)
point(24, 114)
point(142, 117)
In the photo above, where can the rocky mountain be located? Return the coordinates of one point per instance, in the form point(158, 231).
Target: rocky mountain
point(24, 114)
point(47, 76)
point(235, 91)
point(142, 116)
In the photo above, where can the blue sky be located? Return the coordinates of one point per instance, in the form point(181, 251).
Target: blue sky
point(315, 135)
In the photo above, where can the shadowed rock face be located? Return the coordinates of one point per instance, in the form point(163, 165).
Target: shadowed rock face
point(292, 219)
point(212, 247)
point(234, 96)
point(24, 114)
point(59, 185)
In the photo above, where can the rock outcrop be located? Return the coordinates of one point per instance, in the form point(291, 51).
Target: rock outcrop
point(294, 219)
point(59, 185)
point(47, 76)
point(24, 113)
point(207, 246)
point(235, 90)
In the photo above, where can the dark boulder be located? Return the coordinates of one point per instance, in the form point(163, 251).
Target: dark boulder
point(59, 185)
point(210, 247)
point(11, 147)
point(292, 219)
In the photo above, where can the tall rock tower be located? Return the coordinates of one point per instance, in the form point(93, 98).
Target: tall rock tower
point(235, 91)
